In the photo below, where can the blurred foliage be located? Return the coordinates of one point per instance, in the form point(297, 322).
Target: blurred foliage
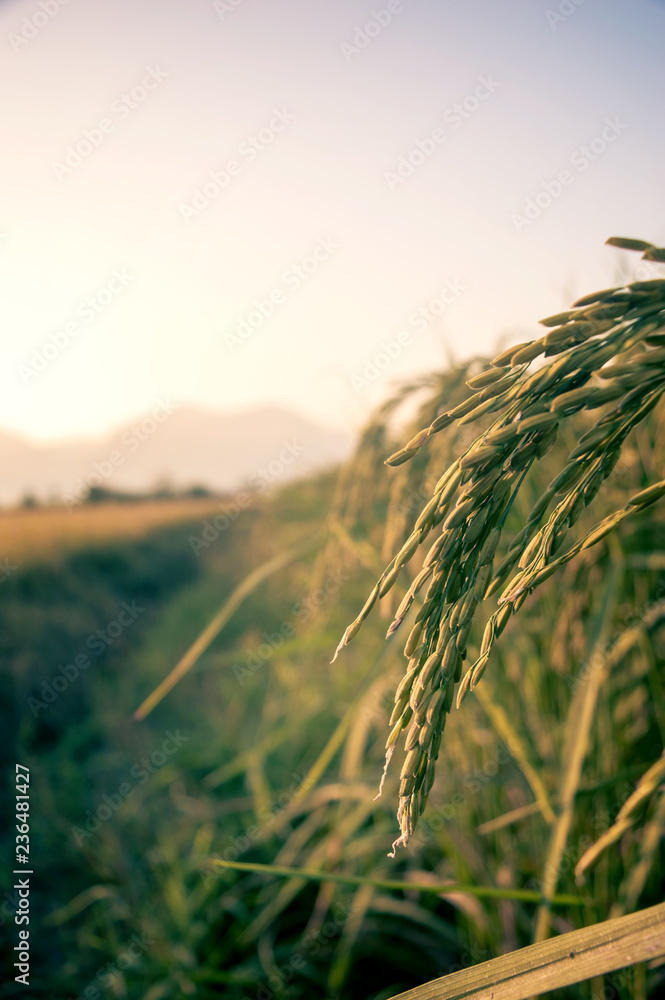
point(137, 909)
point(260, 708)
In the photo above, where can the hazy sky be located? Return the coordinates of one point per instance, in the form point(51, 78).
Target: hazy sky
point(374, 163)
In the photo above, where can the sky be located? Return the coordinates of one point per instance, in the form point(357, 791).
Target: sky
point(234, 204)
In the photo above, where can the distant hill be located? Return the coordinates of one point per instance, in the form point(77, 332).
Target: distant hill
point(185, 447)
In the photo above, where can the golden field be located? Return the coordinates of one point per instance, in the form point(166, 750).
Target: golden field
point(37, 533)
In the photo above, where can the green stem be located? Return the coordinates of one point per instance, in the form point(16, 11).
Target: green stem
point(482, 891)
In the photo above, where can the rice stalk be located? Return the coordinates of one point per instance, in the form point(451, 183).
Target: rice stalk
point(580, 721)
point(437, 888)
point(606, 354)
point(648, 785)
point(635, 880)
point(508, 734)
point(214, 627)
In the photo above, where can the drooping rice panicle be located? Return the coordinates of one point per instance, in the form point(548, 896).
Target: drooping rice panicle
point(606, 353)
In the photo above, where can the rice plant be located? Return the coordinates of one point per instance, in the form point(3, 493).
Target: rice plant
point(257, 862)
point(608, 355)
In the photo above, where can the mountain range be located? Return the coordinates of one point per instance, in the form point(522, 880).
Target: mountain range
point(178, 445)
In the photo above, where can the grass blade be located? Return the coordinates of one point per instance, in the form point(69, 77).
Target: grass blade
point(580, 721)
point(212, 630)
point(561, 961)
point(508, 733)
point(482, 891)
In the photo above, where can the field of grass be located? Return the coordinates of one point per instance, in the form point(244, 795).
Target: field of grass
point(32, 534)
point(266, 754)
